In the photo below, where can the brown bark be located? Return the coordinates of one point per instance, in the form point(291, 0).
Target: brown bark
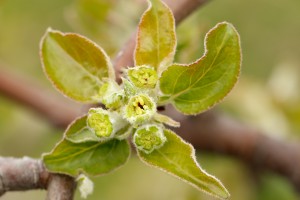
point(61, 187)
point(21, 174)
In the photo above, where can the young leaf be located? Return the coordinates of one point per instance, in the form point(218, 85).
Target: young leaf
point(156, 38)
point(78, 131)
point(196, 87)
point(91, 158)
point(178, 158)
point(75, 65)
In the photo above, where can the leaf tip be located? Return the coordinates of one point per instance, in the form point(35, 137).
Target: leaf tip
point(49, 29)
point(229, 26)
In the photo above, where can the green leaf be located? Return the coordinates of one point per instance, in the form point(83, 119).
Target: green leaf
point(75, 65)
point(156, 38)
point(91, 158)
point(177, 158)
point(196, 87)
point(78, 131)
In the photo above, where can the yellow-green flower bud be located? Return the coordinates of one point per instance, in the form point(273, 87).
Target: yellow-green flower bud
point(111, 95)
point(148, 138)
point(143, 77)
point(99, 122)
point(140, 109)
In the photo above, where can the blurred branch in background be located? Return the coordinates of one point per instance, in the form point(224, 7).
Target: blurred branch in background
point(28, 93)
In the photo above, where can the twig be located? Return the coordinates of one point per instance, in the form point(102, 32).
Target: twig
point(61, 187)
point(21, 174)
point(183, 8)
point(27, 174)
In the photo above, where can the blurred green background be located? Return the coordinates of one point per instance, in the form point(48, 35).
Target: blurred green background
point(266, 97)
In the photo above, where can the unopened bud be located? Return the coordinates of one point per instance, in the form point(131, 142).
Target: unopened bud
point(143, 76)
point(148, 138)
point(99, 122)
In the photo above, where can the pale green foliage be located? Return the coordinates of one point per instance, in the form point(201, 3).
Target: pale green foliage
point(75, 65)
point(178, 158)
point(196, 87)
point(98, 142)
point(156, 39)
point(92, 158)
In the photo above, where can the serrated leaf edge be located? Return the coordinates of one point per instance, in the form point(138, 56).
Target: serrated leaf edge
point(159, 70)
point(193, 153)
point(111, 72)
point(80, 170)
point(170, 100)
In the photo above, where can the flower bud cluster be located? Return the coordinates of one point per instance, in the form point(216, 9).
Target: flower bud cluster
point(133, 105)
